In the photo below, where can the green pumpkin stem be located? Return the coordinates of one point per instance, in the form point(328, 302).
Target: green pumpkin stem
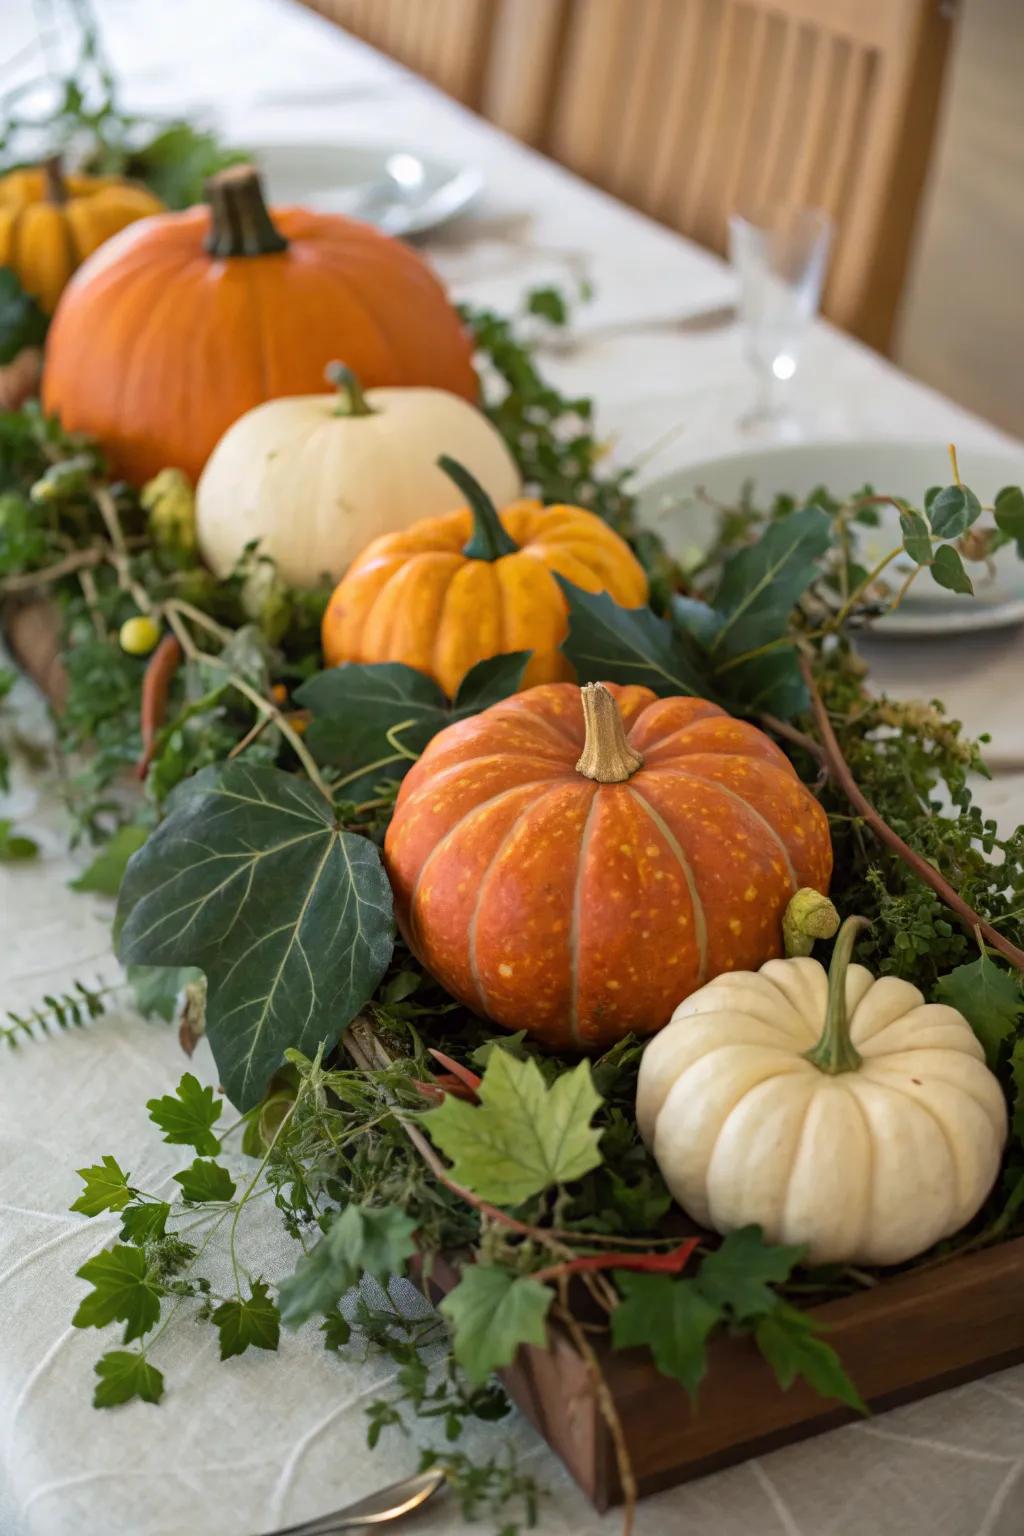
point(488, 541)
point(351, 400)
point(835, 1051)
point(53, 178)
point(240, 222)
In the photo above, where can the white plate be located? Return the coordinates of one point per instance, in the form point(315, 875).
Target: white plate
point(676, 507)
point(355, 179)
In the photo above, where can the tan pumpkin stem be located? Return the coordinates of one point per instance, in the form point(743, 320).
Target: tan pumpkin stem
point(53, 176)
point(240, 222)
point(607, 756)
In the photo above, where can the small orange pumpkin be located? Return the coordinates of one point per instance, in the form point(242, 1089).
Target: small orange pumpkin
point(179, 326)
point(50, 222)
point(451, 591)
point(576, 862)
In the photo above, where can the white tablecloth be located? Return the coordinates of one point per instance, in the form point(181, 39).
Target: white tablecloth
point(263, 1441)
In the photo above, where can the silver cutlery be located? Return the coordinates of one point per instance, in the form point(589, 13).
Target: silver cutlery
point(377, 1509)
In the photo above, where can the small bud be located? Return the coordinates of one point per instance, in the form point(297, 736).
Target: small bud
point(170, 505)
point(809, 916)
point(70, 477)
point(138, 636)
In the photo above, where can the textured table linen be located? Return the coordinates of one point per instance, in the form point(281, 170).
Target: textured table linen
point(264, 1441)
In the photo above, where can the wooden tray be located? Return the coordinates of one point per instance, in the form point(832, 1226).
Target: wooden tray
point(910, 1336)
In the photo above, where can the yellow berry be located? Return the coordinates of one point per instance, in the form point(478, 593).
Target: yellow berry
point(139, 635)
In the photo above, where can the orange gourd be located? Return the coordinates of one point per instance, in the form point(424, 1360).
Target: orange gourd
point(50, 222)
point(576, 862)
point(451, 591)
point(181, 325)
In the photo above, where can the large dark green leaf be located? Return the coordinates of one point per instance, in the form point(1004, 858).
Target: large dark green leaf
point(357, 708)
point(252, 880)
point(761, 584)
point(611, 644)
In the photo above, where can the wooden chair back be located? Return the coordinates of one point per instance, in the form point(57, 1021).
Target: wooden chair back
point(691, 109)
point(445, 41)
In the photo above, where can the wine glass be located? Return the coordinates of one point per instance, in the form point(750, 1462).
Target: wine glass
point(779, 253)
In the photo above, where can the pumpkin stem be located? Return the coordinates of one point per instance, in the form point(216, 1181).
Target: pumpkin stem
point(351, 400)
point(489, 540)
point(607, 756)
point(240, 223)
point(835, 1052)
point(809, 916)
point(53, 176)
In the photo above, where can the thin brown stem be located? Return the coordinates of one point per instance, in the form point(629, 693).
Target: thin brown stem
point(839, 771)
point(78, 560)
point(606, 1403)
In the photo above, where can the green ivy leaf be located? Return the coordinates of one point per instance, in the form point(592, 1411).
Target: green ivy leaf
point(1009, 514)
point(355, 706)
point(250, 1322)
point(524, 1136)
point(158, 987)
point(491, 1313)
point(671, 1318)
point(22, 322)
point(761, 584)
point(952, 511)
point(205, 1181)
point(363, 1240)
point(787, 1340)
point(738, 1274)
point(124, 1374)
point(145, 1223)
point(1017, 1073)
point(106, 1188)
point(772, 682)
point(916, 537)
point(947, 570)
point(336, 1331)
point(187, 1116)
point(252, 879)
point(989, 998)
point(612, 644)
point(123, 1291)
point(105, 873)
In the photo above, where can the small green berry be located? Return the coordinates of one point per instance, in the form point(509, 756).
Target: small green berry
point(139, 635)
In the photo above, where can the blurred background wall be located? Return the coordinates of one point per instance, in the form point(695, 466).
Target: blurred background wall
point(961, 326)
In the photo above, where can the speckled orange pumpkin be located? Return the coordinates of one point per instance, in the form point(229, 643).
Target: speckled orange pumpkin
point(453, 590)
point(576, 862)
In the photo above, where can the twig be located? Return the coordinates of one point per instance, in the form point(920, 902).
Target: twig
point(118, 554)
point(606, 1403)
point(79, 560)
point(840, 772)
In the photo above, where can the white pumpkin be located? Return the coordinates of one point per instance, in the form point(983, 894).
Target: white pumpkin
point(316, 477)
point(831, 1109)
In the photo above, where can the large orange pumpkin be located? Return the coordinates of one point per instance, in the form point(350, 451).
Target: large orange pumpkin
point(180, 325)
point(453, 590)
point(576, 862)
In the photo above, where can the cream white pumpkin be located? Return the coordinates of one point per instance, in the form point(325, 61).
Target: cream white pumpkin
point(848, 1115)
point(316, 477)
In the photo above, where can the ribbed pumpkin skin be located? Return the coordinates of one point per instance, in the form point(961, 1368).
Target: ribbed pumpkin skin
point(581, 911)
point(157, 347)
point(414, 596)
point(45, 241)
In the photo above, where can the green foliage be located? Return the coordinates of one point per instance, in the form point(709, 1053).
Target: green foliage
point(123, 1290)
point(106, 1188)
point(627, 645)
point(990, 999)
point(252, 879)
point(67, 1010)
point(125, 1374)
point(948, 570)
point(525, 1136)
point(247, 1322)
point(15, 848)
point(738, 1274)
point(22, 322)
point(491, 1313)
point(187, 1116)
point(105, 873)
point(788, 1342)
point(374, 1241)
point(372, 721)
point(672, 1318)
point(952, 511)
point(205, 1180)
